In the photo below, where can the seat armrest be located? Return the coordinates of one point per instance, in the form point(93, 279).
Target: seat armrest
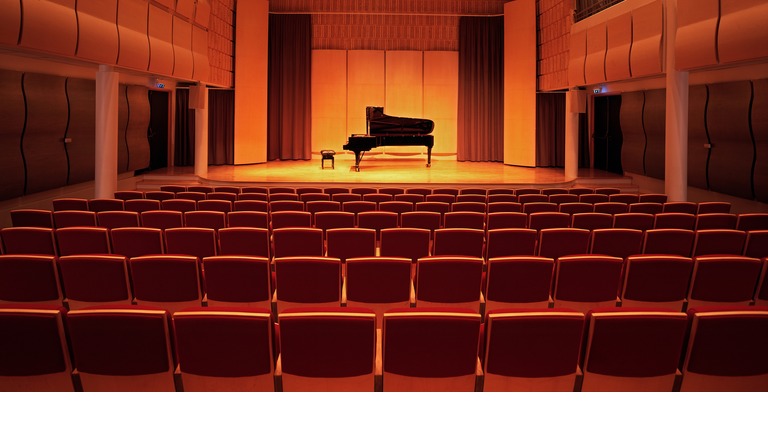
point(413, 295)
point(579, 379)
point(344, 292)
point(177, 382)
point(279, 374)
point(479, 376)
point(378, 383)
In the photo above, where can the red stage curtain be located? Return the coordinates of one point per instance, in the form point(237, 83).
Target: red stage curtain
point(290, 60)
point(481, 89)
point(550, 129)
point(221, 127)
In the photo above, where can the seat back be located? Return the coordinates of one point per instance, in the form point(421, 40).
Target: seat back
point(654, 198)
point(169, 281)
point(434, 206)
point(625, 198)
point(74, 218)
point(498, 198)
point(607, 191)
point(715, 221)
point(591, 221)
point(286, 205)
point(723, 280)
point(476, 207)
point(307, 281)
point(251, 205)
point(173, 188)
point(459, 241)
point(378, 283)
point(612, 208)
point(160, 195)
point(674, 220)
point(363, 190)
point(242, 281)
point(563, 198)
point(291, 219)
point(544, 220)
point(411, 198)
point(756, 245)
point(422, 219)
point(142, 205)
point(345, 243)
point(248, 219)
point(616, 242)
point(554, 191)
point(29, 240)
point(656, 281)
point(510, 241)
point(593, 198)
point(713, 207)
point(584, 282)
point(358, 207)
point(411, 243)
point(713, 242)
point(118, 219)
point(205, 219)
point(465, 219)
point(316, 196)
point(105, 204)
point(647, 207)
point(314, 207)
point(70, 204)
point(91, 280)
point(477, 198)
point(180, 205)
point(244, 241)
point(83, 240)
point(217, 205)
point(500, 220)
point(444, 198)
point(32, 218)
point(221, 196)
point(162, 219)
point(377, 220)
point(253, 196)
point(454, 281)
point(281, 190)
point(198, 242)
point(446, 191)
point(283, 196)
point(297, 242)
point(133, 242)
point(501, 191)
point(576, 208)
point(398, 207)
point(346, 197)
point(378, 197)
point(228, 189)
point(538, 207)
point(532, 198)
point(335, 190)
point(638, 221)
point(558, 242)
point(200, 188)
point(392, 191)
point(680, 207)
point(518, 281)
point(30, 279)
point(668, 242)
point(254, 189)
point(580, 190)
point(334, 219)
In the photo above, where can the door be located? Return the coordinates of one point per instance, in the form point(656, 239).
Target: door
point(158, 129)
point(607, 135)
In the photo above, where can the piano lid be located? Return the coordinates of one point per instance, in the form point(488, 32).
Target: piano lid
point(382, 124)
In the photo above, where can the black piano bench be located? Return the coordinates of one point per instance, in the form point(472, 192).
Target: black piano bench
point(327, 155)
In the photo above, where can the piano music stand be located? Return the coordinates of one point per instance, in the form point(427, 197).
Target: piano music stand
point(327, 154)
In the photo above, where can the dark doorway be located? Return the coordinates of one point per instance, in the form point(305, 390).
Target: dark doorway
point(158, 130)
point(607, 136)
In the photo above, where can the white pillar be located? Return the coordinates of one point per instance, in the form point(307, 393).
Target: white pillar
point(676, 133)
point(571, 136)
point(201, 132)
point(106, 132)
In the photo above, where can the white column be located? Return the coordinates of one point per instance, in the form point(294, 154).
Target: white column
point(676, 133)
point(201, 133)
point(106, 132)
point(571, 136)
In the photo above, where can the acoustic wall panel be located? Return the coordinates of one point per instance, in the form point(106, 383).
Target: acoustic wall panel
point(171, 4)
point(97, 27)
point(10, 21)
point(760, 132)
point(201, 68)
point(404, 83)
point(329, 100)
point(696, 38)
point(46, 125)
point(654, 121)
point(441, 98)
point(202, 12)
point(647, 29)
point(594, 64)
point(160, 32)
point(132, 29)
point(743, 31)
point(182, 48)
point(49, 25)
point(578, 55)
point(122, 125)
point(631, 120)
point(365, 87)
point(81, 151)
point(619, 45)
point(730, 162)
point(186, 8)
point(11, 128)
point(136, 130)
point(698, 138)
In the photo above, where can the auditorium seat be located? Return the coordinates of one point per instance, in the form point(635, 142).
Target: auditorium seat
point(576, 208)
point(32, 218)
point(715, 221)
point(132, 242)
point(639, 221)
point(581, 191)
point(473, 191)
point(617, 242)
point(237, 281)
point(30, 279)
point(220, 196)
point(345, 243)
point(214, 220)
point(307, 281)
point(761, 293)
point(563, 198)
point(122, 348)
point(507, 207)
point(29, 240)
point(254, 189)
point(498, 198)
point(310, 190)
point(392, 191)
point(756, 245)
point(723, 353)
point(719, 242)
point(225, 349)
point(445, 191)
point(398, 207)
point(476, 198)
point(558, 242)
point(532, 198)
point(290, 219)
point(252, 196)
point(538, 207)
point(429, 220)
point(713, 207)
point(93, 280)
point(308, 197)
point(162, 219)
point(70, 204)
point(607, 191)
point(501, 191)
point(223, 206)
point(173, 188)
point(751, 221)
point(431, 349)
point(656, 281)
point(83, 240)
point(363, 190)
point(357, 207)
point(452, 281)
point(545, 220)
point(170, 282)
point(227, 189)
point(346, 197)
point(527, 191)
point(334, 219)
point(74, 218)
point(159, 195)
point(281, 190)
point(200, 188)
point(297, 242)
point(179, 205)
point(476, 207)
point(500, 220)
point(632, 349)
point(411, 243)
point(585, 282)
point(723, 280)
point(459, 241)
point(591, 221)
point(251, 205)
point(314, 207)
point(377, 220)
point(510, 241)
point(244, 241)
point(142, 205)
point(653, 198)
point(674, 220)
point(593, 198)
point(554, 191)
point(378, 283)
point(611, 208)
point(443, 198)
point(465, 219)
point(118, 219)
point(518, 282)
point(411, 198)
point(668, 242)
point(532, 350)
point(647, 207)
point(278, 206)
point(36, 336)
point(250, 219)
point(680, 207)
point(378, 198)
point(198, 242)
point(335, 190)
point(105, 204)
point(283, 196)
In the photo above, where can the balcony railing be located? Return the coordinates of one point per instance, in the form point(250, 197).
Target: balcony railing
point(587, 8)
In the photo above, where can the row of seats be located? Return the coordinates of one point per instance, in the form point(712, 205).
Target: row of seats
point(385, 190)
point(134, 348)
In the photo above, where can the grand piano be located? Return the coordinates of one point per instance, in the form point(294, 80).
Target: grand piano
point(384, 130)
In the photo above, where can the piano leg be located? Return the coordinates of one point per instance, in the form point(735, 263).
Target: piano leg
point(429, 157)
point(358, 159)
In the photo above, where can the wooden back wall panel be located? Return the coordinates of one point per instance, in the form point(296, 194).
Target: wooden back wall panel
point(760, 131)
point(654, 121)
point(631, 119)
point(698, 155)
point(81, 152)
point(136, 131)
point(11, 128)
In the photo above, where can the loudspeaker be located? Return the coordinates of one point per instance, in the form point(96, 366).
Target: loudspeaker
point(197, 97)
point(578, 101)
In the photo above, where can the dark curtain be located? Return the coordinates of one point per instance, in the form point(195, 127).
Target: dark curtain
point(221, 127)
point(584, 159)
point(289, 118)
point(550, 129)
point(184, 148)
point(481, 89)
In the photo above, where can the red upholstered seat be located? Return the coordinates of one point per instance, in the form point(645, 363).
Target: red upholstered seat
point(476, 207)
point(680, 207)
point(205, 219)
point(378, 198)
point(501, 191)
point(532, 198)
point(418, 191)
point(612, 208)
point(251, 205)
point(761, 293)
point(291, 219)
point(445, 191)
point(180, 205)
point(713, 207)
point(499, 198)
point(307, 281)
point(224, 206)
point(237, 280)
point(593, 198)
point(654, 198)
point(74, 218)
point(532, 350)
point(500, 220)
point(668, 242)
point(309, 190)
point(656, 281)
point(465, 219)
point(510, 241)
point(32, 218)
point(377, 220)
point(118, 219)
point(122, 348)
point(92, 280)
point(133, 242)
point(283, 196)
point(142, 205)
point(584, 282)
point(618, 242)
point(411, 198)
point(723, 280)
point(421, 219)
point(104, 204)
point(335, 190)
point(253, 196)
point(646, 207)
point(625, 198)
point(518, 281)
point(30, 279)
point(378, 283)
point(563, 198)
point(576, 208)
point(221, 196)
point(357, 207)
point(411, 243)
point(286, 205)
point(544, 220)
point(591, 221)
point(314, 207)
point(443, 198)
point(398, 207)
point(227, 189)
point(173, 188)
point(554, 191)
point(244, 241)
point(715, 221)
point(254, 189)
point(36, 337)
point(454, 281)
point(756, 245)
point(538, 207)
point(225, 349)
point(632, 349)
point(200, 188)
point(527, 191)
point(297, 242)
point(607, 191)
point(392, 190)
point(712, 242)
point(281, 190)
point(431, 349)
point(435, 207)
point(363, 190)
point(83, 240)
point(29, 240)
point(198, 242)
point(70, 204)
point(725, 350)
point(459, 241)
point(581, 191)
point(477, 198)
point(171, 282)
point(318, 196)
point(345, 243)
point(558, 242)
point(248, 219)
point(334, 219)
point(638, 221)
point(346, 197)
point(160, 195)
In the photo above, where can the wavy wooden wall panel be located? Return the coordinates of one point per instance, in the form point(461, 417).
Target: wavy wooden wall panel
point(594, 64)
point(160, 32)
point(696, 39)
point(182, 48)
point(619, 45)
point(10, 21)
point(743, 31)
point(49, 25)
point(122, 126)
point(97, 27)
point(12, 112)
point(730, 162)
point(132, 29)
point(577, 58)
point(404, 83)
point(631, 119)
point(365, 86)
point(698, 155)
point(654, 121)
point(186, 8)
point(201, 68)
point(760, 132)
point(81, 152)
point(441, 97)
point(203, 12)
point(329, 100)
point(43, 142)
point(647, 29)
point(136, 131)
